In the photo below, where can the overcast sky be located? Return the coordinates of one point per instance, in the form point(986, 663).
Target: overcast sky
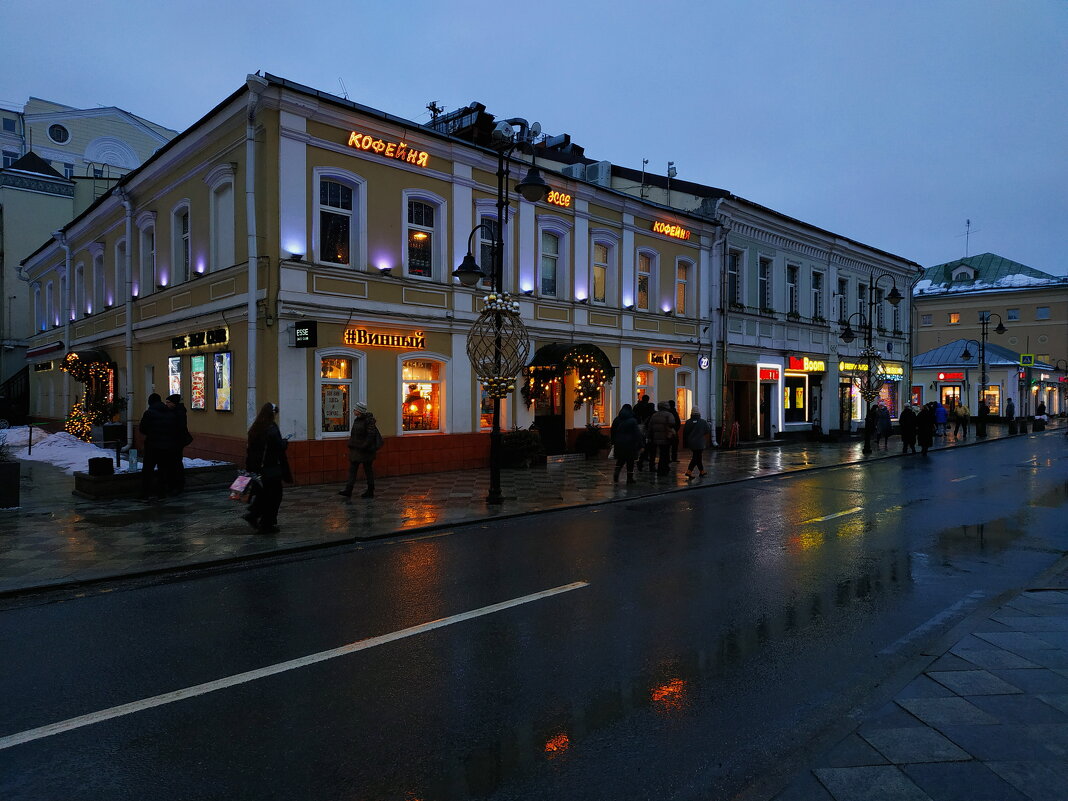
point(888, 121)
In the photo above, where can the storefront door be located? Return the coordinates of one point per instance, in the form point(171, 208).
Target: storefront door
point(845, 406)
point(549, 418)
point(767, 395)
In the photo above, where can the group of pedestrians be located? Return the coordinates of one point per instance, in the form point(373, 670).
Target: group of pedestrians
point(648, 435)
point(165, 432)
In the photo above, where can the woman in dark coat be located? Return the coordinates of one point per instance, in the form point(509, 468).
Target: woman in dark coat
point(266, 456)
point(925, 427)
point(907, 422)
point(627, 441)
point(364, 441)
point(696, 435)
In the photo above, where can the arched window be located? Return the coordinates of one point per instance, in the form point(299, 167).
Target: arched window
point(50, 304)
point(424, 234)
point(39, 318)
point(118, 293)
point(422, 393)
point(644, 383)
point(684, 383)
point(146, 279)
point(553, 251)
point(220, 181)
point(339, 227)
point(646, 295)
point(80, 298)
point(604, 269)
point(181, 247)
point(683, 280)
point(340, 382)
point(100, 284)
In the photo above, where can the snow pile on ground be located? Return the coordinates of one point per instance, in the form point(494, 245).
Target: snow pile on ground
point(67, 451)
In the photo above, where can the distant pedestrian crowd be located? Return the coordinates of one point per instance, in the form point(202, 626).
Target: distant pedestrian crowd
point(165, 434)
point(648, 435)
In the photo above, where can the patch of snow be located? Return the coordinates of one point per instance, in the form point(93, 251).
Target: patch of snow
point(67, 451)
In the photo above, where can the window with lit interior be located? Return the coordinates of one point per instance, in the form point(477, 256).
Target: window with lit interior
point(683, 270)
point(420, 239)
point(335, 393)
point(599, 273)
point(421, 395)
point(335, 222)
point(644, 282)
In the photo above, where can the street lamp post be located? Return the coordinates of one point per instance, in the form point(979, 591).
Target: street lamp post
point(984, 327)
point(869, 387)
point(498, 343)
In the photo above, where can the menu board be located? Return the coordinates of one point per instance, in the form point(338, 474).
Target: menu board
point(197, 378)
point(174, 375)
point(223, 375)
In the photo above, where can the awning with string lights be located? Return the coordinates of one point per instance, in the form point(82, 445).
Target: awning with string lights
point(592, 369)
point(82, 364)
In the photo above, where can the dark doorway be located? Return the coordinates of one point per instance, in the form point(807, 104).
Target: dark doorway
point(549, 418)
point(744, 411)
point(767, 395)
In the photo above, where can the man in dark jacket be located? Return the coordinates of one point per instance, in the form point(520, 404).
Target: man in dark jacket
point(159, 427)
point(174, 403)
point(661, 433)
point(643, 410)
point(364, 442)
point(678, 428)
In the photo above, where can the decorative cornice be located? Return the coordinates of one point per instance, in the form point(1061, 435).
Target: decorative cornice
point(221, 173)
point(60, 188)
point(95, 249)
point(145, 219)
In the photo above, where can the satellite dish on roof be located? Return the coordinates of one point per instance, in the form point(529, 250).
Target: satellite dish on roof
point(502, 132)
point(535, 130)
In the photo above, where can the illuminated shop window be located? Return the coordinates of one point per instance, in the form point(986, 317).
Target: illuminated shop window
point(644, 384)
point(599, 409)
point(684, 393)
point(420, 395)
point(420, 239)
point(485, 410)
point(600, 273)
point(335, 222)
point(550, 264)
point(992, 395)
point(335, 392)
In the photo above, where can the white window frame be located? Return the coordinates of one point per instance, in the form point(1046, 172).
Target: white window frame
point(39, 323)
point(438, 253)
point(818, 277)
point(95, 299)
point(685, 284)
point(222, 254)
point(146, 254)
point(80, 295)
point(765, 284)
point(358, 220)
point(561, 229)
point(736, 269)
point(653, 301)
point(692, 386)
point(181, 267)
point(880, 310)
point(445, 377)
point(651, 390)
point(120, 274)
point(609, 240)
point(926, 319)
point(1012, 314)
point(357, 394)
point(1039, 315)
point(843, 299)
point(793, 291)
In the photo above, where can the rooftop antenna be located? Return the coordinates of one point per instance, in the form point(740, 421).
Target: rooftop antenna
point(344, 89)
point(967, 236)
point(671, 173)
point(435, 110)
point(644, 191)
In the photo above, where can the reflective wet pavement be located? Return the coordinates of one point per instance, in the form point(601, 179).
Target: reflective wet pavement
point(55, 539)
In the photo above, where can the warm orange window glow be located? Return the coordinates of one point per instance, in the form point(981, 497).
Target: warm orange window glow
point(419, 235)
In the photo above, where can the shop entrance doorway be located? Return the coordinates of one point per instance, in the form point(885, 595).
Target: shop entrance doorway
point(767, 395)
point(549, 418)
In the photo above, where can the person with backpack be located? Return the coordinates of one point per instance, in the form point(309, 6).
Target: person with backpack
point(364, 442)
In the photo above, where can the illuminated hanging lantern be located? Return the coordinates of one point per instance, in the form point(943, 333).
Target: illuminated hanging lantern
point(498, 345)
point(870, 382)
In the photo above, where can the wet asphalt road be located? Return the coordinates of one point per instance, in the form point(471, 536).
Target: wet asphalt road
point(719, 630)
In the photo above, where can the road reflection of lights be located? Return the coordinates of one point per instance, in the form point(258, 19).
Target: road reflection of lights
point(670, 695)
point(557, 744)
point(419, 515)
point(808, 539)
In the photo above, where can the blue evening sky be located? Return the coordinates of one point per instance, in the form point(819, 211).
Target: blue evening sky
point(887, 122)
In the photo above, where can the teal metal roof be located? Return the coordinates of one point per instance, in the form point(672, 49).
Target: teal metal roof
point(951, 355)
point(991, 272)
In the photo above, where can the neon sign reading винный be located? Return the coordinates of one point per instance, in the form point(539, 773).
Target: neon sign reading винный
point(670, 229)
point(391, 150)
point(371, 339)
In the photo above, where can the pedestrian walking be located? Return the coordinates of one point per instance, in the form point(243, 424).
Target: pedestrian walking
point(1010, 409)
point(941, 415)
point(266, 456)
point(1040, 411)
point(871, 424)
point(183, 440)
point(883, 426)
point(627, 442)
point(696, 435)
point(365, 440)
point(661, 432)
point(925, 427)
point(907, 423)
point(678, 429)
point(159, 428)
point(980, 422)
point(961, 417)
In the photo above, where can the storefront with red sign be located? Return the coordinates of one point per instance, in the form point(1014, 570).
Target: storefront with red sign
point(802, 390)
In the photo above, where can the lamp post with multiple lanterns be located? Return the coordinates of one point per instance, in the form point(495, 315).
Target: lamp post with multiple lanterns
point(498, 343)
point(874, 377)
point(984, 326)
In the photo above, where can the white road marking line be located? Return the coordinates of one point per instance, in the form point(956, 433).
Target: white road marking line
point(962, 478)
point(854, 510)
point(260, 673)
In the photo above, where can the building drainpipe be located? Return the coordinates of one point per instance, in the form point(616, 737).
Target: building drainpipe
point(256, 85)
point(723, 327)
point(127, 204)
point(721, 243)
point(61, 238)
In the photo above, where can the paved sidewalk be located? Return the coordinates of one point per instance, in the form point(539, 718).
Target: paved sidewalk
point(55, 539)
point(985, 721)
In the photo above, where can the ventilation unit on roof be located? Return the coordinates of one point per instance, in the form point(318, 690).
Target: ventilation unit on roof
point(575, 171)
point(599, 173)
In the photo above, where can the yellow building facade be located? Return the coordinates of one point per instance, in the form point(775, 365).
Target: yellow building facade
point(347, 224)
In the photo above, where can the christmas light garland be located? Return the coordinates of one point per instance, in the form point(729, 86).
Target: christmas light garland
point(588, 362)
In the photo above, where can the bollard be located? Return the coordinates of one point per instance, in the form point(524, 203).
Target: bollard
point(133, 460)
point(29, 445)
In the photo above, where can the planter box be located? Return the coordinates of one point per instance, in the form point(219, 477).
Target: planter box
point(128, 485)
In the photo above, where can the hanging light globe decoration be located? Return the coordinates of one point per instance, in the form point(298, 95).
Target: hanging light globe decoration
point(872, 381)
point(498, 345)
